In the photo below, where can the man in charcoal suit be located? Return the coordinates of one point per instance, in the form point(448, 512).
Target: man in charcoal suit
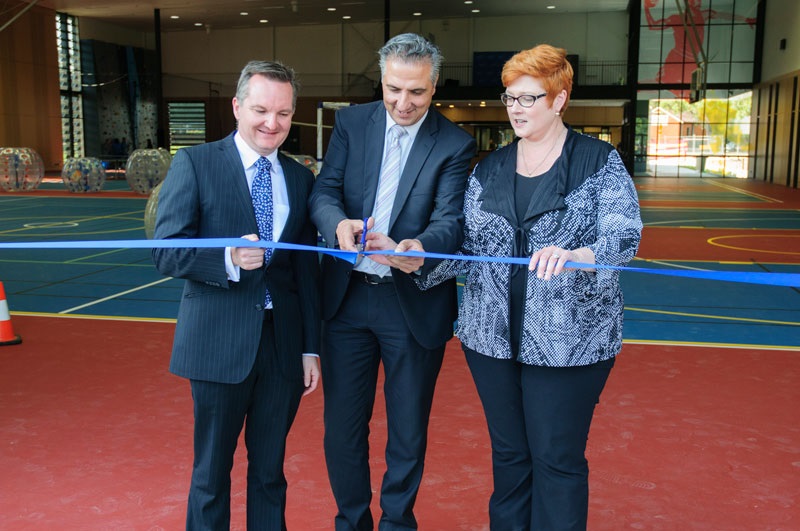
point(403, 166)
point(248, 324)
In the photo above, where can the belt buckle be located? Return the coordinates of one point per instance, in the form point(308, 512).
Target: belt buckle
point(365, 278)
point(369, 280)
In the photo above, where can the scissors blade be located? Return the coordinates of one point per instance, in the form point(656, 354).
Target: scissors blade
point(362, 245)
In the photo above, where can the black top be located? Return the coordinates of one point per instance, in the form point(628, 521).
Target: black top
point(524, 190)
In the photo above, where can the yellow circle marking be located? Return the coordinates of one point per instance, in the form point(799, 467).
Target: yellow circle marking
point(51, 225)
point(715, 241)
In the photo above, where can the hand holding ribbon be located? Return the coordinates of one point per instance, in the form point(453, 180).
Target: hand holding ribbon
point(405, 263)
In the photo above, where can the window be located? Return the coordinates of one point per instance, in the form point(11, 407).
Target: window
point(709, 138)
point(187, 124)
point(677, 38)
point(69, 76)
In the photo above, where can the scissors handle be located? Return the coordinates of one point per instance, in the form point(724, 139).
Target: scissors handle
point(364, 234)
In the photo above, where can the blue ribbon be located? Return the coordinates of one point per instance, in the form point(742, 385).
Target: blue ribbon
point(771, 279)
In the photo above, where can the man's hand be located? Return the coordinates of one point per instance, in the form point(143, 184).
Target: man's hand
point(310, 374)
point(348, 232)
point(377, 241)
point(248, 258)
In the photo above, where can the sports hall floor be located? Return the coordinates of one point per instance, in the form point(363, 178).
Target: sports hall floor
point(698, 427)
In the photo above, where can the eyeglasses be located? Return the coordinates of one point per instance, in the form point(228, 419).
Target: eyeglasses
point(526, 100)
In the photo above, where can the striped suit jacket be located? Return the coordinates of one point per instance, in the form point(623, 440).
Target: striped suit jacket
point(205, 195)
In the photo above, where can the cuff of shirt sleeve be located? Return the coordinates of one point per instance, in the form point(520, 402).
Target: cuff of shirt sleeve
point(232, 270)
point(309, 354)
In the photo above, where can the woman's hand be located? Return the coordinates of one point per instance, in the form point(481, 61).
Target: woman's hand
point(551, 261)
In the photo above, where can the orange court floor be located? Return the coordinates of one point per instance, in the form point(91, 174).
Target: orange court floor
point(697, 428)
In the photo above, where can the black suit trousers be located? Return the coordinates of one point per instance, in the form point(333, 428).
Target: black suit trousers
point(267, 402)
point(369, 329)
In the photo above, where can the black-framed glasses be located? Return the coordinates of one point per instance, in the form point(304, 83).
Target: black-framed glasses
point(526, 100)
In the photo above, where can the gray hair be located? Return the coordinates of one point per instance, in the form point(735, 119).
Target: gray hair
point(411, 48)
point(271, 70)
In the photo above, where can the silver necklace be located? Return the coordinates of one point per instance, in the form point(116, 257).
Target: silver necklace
point(525, 159)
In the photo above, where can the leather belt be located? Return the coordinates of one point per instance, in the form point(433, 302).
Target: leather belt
point(372, 280)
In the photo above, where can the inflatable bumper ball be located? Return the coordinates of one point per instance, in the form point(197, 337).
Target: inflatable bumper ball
point(146, 168)
point(21, 169)
point(83, 175)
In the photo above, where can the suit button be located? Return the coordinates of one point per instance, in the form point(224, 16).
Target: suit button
point(259, 307)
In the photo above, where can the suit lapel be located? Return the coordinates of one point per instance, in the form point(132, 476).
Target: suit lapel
point(375, 136)
point(295, 194)
point(420, 149)
point(232, 159)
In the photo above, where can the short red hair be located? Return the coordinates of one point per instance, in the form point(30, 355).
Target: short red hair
point(547, 64)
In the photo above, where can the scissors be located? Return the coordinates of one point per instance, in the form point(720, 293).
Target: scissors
point(363, 244)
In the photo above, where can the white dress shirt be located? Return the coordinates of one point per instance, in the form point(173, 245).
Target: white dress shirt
point(280, 196)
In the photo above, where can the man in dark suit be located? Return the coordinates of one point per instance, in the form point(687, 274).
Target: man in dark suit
point(404, 166)
point(248, 324)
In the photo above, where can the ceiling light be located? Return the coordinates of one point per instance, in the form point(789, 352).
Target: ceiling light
point(476, 10)
point(331, 9)
point(346, 17)
point(551, 7)
point(174, 17)
point(438, 104)
point(452, 106)
point(468, 2)
point(417, 14)
point(198, 24)
point(263, 21)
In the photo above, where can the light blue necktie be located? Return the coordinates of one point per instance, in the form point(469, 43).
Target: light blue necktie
point(261, 192)
point(387, 190)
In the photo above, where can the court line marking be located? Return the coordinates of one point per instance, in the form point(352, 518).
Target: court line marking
point(674, 265)
point(86, 233)
point(95, 255)
point(713, 241)
point(726, 208)
point(80, 220)
point(62, 262)
point(667, 261)
point(718, 317)
point(657, 342)
point(701, 220)
point(745, 192)
point(50, 225)
point(743, 346)
point(97, 317)
point(116, 295)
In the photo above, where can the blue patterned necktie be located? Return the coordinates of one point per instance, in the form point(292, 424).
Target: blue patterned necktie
point(261, 192)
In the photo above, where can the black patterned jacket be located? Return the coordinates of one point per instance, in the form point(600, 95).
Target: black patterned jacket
point(576, 317)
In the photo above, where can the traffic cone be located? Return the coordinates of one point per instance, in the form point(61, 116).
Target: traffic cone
point(7, 336)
